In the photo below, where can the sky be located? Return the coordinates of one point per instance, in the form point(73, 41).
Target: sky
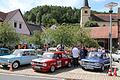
point(26, 5)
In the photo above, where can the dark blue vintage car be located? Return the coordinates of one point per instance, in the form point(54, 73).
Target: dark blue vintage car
point(4, 51)
point(96, 60)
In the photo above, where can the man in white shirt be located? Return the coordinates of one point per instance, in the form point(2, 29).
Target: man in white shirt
point(75, 55)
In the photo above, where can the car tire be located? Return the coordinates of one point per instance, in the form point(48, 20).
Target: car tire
point(69, 65)
point(83, 68)
point(15, 65)
point(52, 69)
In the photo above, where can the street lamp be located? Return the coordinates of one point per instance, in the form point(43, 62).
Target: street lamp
point(110, 6)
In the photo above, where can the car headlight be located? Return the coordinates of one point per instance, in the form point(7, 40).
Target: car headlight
point(82, 62)
point(44, 64)
point(32, 62)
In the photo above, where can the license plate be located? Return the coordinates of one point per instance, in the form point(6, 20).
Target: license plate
point(37, 67)
point(89, 67)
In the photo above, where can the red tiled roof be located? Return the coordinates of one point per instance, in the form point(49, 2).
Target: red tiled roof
point(103, 32)
point(105, 17)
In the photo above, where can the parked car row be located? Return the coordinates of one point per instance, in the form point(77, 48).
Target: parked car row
point(50, 61)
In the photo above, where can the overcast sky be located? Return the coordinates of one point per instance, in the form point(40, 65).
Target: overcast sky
point(26, 5)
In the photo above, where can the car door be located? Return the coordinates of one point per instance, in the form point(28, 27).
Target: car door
point(25, 58)
point(58, 61)
point(32, 55)
point(65, 60)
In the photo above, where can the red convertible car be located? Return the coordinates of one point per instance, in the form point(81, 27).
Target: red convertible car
point(50, 61)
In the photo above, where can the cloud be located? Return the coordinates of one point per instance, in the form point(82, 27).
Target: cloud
point(26, 5)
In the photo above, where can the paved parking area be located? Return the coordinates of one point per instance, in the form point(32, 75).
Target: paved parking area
point(66, 73)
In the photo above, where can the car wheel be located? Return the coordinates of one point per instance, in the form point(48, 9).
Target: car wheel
point(52, 69)
point(102, 68)
point(15, 65)
point(69, 64)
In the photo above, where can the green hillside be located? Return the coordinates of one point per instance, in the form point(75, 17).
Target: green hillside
point(53, 14)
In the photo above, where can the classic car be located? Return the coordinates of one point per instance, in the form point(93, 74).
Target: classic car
point(18, 57)
point(116, 56)
point(50, 61)
point(4, 51)
point(96, 60)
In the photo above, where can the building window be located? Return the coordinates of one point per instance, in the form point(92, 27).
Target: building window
point(15, 24)
point(20, 26)
point(86, 12)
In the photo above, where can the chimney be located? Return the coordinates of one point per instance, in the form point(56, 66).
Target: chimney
point(119, 10)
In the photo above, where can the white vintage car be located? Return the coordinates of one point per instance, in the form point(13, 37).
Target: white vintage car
point(116, 56)
point(18, 57)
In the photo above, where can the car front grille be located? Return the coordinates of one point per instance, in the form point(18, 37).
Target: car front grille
point(38, 63)
point(88, 63)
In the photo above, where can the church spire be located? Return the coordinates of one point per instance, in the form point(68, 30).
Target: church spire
point(86, 3)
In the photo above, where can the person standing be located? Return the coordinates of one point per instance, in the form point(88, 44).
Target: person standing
point(85, 51)
point(75, 55)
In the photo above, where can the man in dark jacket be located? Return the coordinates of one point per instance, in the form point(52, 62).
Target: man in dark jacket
point(83, 53)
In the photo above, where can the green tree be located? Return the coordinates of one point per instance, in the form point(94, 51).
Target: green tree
point(47, 36)
point(32, 18)
point(36, 38)
point(48, 20)
point(38, 17)
point(91, 24)
point(8, 36)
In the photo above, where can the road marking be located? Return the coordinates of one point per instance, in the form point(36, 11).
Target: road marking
point(30, 76)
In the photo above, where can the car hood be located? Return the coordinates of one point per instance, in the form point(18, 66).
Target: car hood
point(92, 60)
point(8, 56)
point(41, 60)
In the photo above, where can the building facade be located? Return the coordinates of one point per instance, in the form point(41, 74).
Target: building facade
point(101, 32)
point(16, 20)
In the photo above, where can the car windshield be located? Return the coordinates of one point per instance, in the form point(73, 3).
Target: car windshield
point(16, 52)
point(48, 55)
point(4, 51)
point(94, 55)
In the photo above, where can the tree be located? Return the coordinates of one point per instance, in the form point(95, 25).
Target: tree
point(36, 38)
point(48, 20)
point(91, 24)
point(38, 18)
point(67, 35)
point(70, 35)
point(32, 18)
point(8, 36)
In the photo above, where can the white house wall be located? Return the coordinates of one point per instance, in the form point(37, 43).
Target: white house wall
point(19, 19)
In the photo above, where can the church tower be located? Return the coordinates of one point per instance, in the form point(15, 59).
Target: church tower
point(85, 13)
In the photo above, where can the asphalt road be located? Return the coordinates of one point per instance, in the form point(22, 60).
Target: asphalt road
point(23, 77)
